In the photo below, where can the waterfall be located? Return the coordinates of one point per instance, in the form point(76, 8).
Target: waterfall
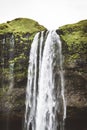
point(3, 61)
point(7, 62)
point(11, 64)
point(45, 101)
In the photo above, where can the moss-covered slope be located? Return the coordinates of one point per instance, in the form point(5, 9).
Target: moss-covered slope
point(20, 25)
point(75, 37)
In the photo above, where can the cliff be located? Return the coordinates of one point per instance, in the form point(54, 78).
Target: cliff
point(15, 41)
point(74, 39)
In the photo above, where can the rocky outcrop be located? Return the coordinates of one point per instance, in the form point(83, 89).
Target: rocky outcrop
point(74, 42)
point(15, 41)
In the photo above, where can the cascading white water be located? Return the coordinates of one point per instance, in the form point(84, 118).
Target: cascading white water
point(3, 62)
point(11, 64)
point(45, 101)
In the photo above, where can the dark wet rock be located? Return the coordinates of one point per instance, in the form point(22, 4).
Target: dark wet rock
point(74, 43)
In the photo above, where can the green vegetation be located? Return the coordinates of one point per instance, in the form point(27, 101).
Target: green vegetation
point(21, 25)
point(19, 32)
point(75, 36)
point(75, 33)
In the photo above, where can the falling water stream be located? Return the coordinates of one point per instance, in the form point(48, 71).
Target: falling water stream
point(11, 64)
point(45, 100)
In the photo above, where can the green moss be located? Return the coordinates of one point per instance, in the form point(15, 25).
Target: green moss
point(82, 25)
point(6, 73)
point(17, 59)
point(20, 26)
point(75, 33)
point(75, 36)
point(32, 37)
point(20, 76)
point(73, 58)
point(3, 91)
point(4, 28)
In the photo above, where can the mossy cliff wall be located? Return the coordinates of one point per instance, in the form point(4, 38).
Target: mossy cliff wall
point(15, 41)
point(74, 43)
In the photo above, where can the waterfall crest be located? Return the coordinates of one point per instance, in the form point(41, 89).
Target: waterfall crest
point(45, 101)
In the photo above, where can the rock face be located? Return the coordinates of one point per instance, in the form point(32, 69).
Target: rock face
point(74, 37)
point(15, 41)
